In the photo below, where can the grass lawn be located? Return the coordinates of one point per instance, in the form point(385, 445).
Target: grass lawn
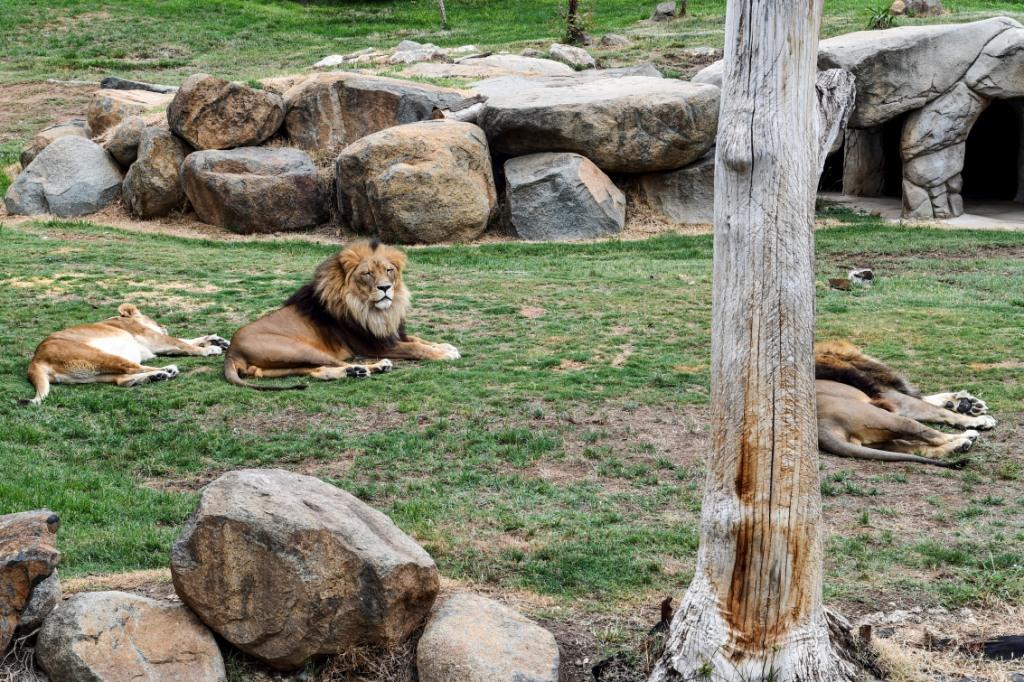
point(168, 40)
point(563, 456)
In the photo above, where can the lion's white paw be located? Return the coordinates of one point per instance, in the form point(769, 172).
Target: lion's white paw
point(449, 351)
point(212, 350)
point(215, 340)
point(983, 423)
point(385, 365)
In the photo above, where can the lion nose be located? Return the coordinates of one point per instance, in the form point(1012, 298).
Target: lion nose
point(384, 287)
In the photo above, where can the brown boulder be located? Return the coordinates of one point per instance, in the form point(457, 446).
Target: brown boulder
point(28, 555)
point(124, 139)
point(213, 113)
point(74, 127)
point(255, 189)
point(152, 186)
point(418, 183)
point(109, 107)
point(120, 637)
point(287, 567)
point(331, 110)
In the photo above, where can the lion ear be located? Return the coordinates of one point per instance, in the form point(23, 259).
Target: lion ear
point(348, 260)
point(127, 310)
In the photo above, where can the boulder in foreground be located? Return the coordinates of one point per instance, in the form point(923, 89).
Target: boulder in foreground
point(287, 567)
point(117, 637)
point(474, 639)
point(28, 555)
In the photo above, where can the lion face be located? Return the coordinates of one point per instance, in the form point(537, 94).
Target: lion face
point(366, 278)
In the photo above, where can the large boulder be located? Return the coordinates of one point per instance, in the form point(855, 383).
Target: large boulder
point(632, 124)
point(116, 637)
point(28, 555)
point(518, 64)
point(75, 127)
point(152, 187)
point(107, 108)
point(684, 196)
point(902, 69)
point(561, 196)
point(329, 111)
point(213, 113)
point(474, 639)
point(418, 183)
point(123, 141)
point(255, 189)
point(287, 567)
point(71, 177)
point(999, 70)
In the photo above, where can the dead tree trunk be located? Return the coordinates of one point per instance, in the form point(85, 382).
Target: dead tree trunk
point(753, 612)
point(574, 33)
point(444, 14)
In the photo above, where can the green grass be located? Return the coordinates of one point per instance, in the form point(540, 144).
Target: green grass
point(533, 463)
point(167, 40)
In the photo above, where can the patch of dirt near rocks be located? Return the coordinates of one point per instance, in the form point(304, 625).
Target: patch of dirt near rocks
point(26, 108)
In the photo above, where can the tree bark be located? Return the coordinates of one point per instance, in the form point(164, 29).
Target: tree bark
point(444, 14)
point(753, 611)
point(574, 34)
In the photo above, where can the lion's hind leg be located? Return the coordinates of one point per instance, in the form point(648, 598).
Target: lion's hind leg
point(924, 410)
point(352, 371)
point(960, 401)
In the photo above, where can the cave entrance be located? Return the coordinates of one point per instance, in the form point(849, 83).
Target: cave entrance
point(993, 154)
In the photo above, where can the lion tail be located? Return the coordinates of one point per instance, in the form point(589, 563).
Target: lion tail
point(231, 374)
point(829, 442)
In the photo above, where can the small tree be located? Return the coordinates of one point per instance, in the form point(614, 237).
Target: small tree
point(574, 33)
point(444, 14)
point(753, 612)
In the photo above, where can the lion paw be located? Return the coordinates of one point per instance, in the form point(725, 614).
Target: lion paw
point(966, 403)
point(168, 372)
point(384, 366)
point(983, 423)
point(448, 351)
point(212, 350)
point(357, 372)
point(218, 341)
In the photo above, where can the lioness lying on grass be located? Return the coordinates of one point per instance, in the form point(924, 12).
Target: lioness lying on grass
point(111, 352)
point(867, 410)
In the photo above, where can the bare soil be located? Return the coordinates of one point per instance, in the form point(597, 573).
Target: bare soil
point(26, 108)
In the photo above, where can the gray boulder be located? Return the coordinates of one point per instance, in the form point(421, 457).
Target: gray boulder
point(418, 183)
point(576, 57)
point(614, 40)
point(71, 177)
point(632, 124)
point(520, 65)
point(904, 68)
point(213, 113)
point(75, 127)
point(665, 11)
point(684, 196)
point(999, 70)
point(44, 598)
point(711, 74)
point(474, 639)
point(255, 189)
point(152, 187)
point(287, 567)
point(124, 139)
point(561, 196)
point(329, 111)
point(115, 636)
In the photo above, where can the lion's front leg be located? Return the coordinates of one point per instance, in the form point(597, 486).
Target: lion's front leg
point(169, 345)
point(414, 348)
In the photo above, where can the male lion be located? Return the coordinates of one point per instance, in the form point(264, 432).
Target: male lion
point(111, 352)
point(867, 410)
point(355, 306)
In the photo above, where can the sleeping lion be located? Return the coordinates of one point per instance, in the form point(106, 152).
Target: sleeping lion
point(355, 306)
point(867, 410)
point(111, 351)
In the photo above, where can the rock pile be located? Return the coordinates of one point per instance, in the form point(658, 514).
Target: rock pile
point(277, 155)
point(283, 566)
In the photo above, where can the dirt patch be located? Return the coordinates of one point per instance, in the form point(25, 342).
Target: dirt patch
point(531, 312)
point(27, 108)
point(876, 260)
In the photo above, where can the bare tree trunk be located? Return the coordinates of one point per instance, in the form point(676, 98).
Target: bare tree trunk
point(753, 611)
point(574, 34)
point(444, 14)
